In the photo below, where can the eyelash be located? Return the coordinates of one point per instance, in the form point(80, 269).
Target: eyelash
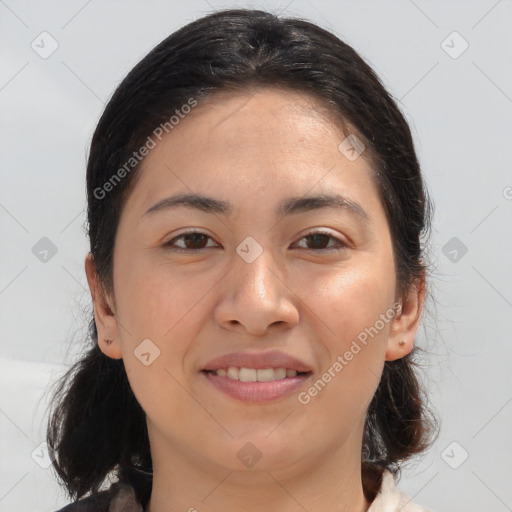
point(340, 244)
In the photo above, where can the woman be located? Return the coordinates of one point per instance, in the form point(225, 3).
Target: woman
point(255, 209)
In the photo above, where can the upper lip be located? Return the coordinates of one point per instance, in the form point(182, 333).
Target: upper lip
point(269, 359)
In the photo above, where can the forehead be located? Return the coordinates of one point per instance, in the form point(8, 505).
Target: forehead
point(270, 115)
point(266, 140)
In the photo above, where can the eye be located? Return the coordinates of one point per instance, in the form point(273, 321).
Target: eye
point(195, 240)
point(192, 240)
point(320, 238)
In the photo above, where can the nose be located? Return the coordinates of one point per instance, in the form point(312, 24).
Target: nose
point(256, 296)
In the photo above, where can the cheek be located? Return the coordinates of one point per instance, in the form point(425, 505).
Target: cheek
point(356, 304)
point(162, 313)
point(156, 300)
point(157, 318)
point(349, 299)
point(353, 313)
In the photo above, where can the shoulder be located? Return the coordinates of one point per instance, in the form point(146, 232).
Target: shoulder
point(120, 497)
point(391, 499)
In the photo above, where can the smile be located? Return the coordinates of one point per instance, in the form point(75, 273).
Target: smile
point(256, 385)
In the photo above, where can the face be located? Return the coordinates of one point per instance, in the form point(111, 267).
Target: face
point(242, 276)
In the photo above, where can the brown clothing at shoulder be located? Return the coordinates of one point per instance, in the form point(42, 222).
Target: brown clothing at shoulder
point(120, 497)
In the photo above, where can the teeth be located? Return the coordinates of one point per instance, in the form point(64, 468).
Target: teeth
point(255, 375)
point(247, 374)
point(233, 373)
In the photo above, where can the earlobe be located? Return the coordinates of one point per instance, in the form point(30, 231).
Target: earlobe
point(398, 350)
point(106, 324)
point(110, 348)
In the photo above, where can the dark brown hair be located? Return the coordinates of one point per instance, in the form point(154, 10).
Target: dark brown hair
point(96, 425)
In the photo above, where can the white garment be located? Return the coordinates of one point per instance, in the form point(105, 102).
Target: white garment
point(391, 499)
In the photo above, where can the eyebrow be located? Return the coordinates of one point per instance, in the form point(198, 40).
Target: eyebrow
point(289, 206)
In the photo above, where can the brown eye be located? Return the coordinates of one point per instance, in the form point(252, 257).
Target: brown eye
point(191, 241)
point(196, 241)
point(318, 241)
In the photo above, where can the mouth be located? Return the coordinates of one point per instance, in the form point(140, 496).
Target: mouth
point(262, 376)
point(256, 385)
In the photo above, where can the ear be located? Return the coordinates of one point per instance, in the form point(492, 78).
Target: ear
point(406, 322)
point(106, 323)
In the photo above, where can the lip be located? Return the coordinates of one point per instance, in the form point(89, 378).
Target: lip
point(258, 360)
point(257, 391)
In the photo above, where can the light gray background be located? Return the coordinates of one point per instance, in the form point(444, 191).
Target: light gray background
point(460, 113)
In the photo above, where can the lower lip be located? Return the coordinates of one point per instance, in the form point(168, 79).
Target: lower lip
point(257, 391)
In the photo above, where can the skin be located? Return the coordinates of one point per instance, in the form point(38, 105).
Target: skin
point(253, 149)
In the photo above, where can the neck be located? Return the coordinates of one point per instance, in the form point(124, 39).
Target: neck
point(181, 482)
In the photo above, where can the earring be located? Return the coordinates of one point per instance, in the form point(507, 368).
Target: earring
point(401, 343)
